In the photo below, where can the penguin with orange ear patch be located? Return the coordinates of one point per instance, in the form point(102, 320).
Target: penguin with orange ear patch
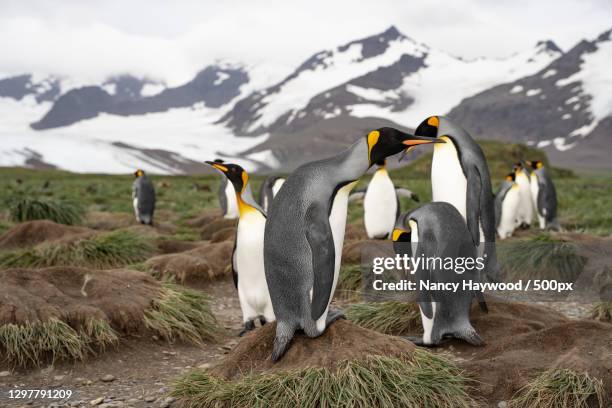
point(143, 198)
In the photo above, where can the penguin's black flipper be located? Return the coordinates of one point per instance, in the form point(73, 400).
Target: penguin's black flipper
point(472, 204)
point(233, 265)
point(321, 241)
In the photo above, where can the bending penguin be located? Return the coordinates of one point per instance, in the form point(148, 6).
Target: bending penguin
point(143, 198)
point(460, 176)
point(381, 205)
point(227, 197)
point(247, 257)
point(543, 195)
point(438, 230)
point(506, 205)
point(305, 233)
point(268, 190)
point(525, 208)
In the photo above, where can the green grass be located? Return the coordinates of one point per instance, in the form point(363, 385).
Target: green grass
point(61, 212)
point(541, 257)
point(33, 343)
point(427, 380)
point(602, 311)
point(560, 388)
point(391, 317)
point(107, 250)
point(349, 282)
point(183, 314)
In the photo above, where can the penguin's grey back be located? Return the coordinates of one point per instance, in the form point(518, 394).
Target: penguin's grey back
point(547, 195)
point(144, 191)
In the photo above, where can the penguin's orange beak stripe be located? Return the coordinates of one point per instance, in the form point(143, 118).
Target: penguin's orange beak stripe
point(410, 142)
point(220, 167)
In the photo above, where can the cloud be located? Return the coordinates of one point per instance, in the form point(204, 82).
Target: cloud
point(154, 38)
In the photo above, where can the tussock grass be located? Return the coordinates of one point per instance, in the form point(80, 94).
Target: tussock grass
point(391, 317)
point(32, 343)
point(541, 257)
point(111, 249)
point(602, 311)
point(560, 388)
point(62, 212)
point(184, 314)
point(427, 380)
point(349, 282)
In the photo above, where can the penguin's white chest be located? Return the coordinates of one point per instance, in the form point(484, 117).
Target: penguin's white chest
point(525, 210)
point(535, 188)
point(278, 183)
point(249, 263)
point(508, 221)
point(135, 203)
point(230, 199)
point(380, 205)
point(448, 183)
point(337, 222)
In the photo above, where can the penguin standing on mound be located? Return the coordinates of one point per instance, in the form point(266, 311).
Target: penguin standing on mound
point(268, 190)
point(543, 195)
point(437, 230)
point(143, 198)
point(381, 205)
point(460, 176)
point(506, 205)
point(227, 197)
point(305, 233)
point(525, 209)
point(247, 257)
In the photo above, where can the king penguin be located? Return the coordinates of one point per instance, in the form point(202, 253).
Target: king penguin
point(506, 205)
point(269, 188)
point(143, 198)
point(305, 233)
point(381, 205)
point(543, 195)
point(437, 230)
point(247, 257)
point(525, 208)
point(227, 197)
point(460, 176)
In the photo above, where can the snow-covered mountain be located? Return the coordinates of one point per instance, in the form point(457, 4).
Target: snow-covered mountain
point(565, 108)
point(267, 117)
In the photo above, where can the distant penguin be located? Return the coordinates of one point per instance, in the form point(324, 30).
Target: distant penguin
point(381, 205)
point(305, 233)
point(227, 198)
point(460, 176)
point(247, 257)
point(143, 198)
point(525, 208)
point(543, 195)
point(506, 206)
point(438, 230)
point(268, 190)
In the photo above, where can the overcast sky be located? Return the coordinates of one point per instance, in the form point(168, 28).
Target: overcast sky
point(171, 40)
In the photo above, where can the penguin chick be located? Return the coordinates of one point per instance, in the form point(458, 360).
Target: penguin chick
point(437, 230)
point(247, 257)
point(543, 195)
point(506, 206)
point(305, 233)
point(143, 198)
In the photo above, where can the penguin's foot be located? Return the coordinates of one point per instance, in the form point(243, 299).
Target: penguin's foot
point(469, 335)
point(524, 226)
point(262, 320)
point(248, 326)
point(333, 315)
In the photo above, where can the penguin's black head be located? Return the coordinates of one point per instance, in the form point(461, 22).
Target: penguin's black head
point(386, 141)
point(236, 174)
point(516, 167)
point(535, 164)
point(429, 127)
point(511, 177)
point(139, 173)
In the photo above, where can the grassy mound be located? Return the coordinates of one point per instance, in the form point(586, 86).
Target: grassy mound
point(425, 380)
point(71, 313)
point(62, 212)
point(542, 257)
point(349, 282)
point(390, 317)
point(602, 311)
point(99, 251)
point(560, 388)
